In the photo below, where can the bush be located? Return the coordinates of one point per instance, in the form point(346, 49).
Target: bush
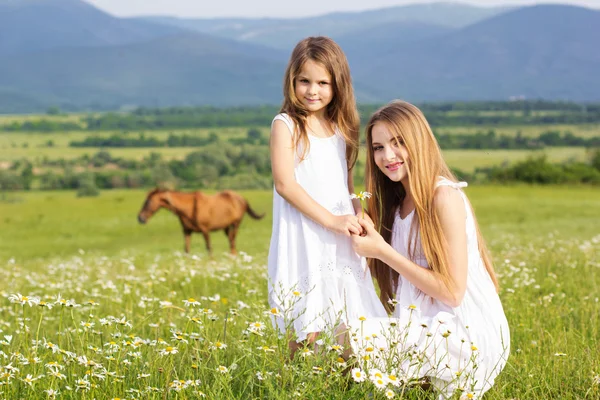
point(87, 185)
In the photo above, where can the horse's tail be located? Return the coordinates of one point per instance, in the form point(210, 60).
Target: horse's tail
point(252, 213)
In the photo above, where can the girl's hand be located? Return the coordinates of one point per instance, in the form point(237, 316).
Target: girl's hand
point(346, 225)
point(366, 218)
point(371, 244)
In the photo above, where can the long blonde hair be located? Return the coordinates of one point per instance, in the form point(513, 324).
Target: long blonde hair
point(341, 112)
point(425, 165)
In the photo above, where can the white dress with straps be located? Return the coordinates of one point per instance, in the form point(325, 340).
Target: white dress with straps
point(464, 347)
point(316, 279)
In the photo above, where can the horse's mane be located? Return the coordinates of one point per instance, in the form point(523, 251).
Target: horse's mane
point(155, 191)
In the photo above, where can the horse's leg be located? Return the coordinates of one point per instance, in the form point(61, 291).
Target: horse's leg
point(207, 240)
point(187, 235)
point(233, 229)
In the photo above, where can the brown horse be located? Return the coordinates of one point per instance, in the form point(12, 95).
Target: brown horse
point(199, 212)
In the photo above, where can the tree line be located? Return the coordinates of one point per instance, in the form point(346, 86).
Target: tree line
point(228, 166)
point(522, 112)
point(479, 140)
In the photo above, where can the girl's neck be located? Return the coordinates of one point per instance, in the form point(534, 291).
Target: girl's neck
point(316, 117)
point(318, 125)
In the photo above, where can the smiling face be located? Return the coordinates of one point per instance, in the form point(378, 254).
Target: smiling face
point(313, 87)
point(389, 153)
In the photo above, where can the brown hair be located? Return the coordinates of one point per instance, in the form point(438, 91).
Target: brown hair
point(341, 112)
point(425, 165)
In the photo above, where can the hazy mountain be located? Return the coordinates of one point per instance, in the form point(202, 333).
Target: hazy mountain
point(181, 70)
point(541, 52)
point(33, 25)
point(285, 33)
point(386, 37)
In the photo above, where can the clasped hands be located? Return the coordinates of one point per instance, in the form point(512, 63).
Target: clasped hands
point(366, 241)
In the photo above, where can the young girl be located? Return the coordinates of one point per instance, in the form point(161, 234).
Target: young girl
point(431, 263)
point(316, 280)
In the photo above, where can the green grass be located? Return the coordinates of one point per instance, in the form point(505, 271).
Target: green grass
point(585, 130)
point(42, 224)
point(56, 246)
point(468, 160)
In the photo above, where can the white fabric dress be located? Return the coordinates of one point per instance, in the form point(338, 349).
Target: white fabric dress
point(316, 280)
point(457, 348)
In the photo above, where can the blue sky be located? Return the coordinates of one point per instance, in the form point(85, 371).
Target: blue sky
point(278, 8)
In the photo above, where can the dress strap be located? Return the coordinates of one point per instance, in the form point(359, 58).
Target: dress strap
point(287, 120)
point(447, 182)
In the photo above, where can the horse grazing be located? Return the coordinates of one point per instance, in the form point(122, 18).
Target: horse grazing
point(199, 212)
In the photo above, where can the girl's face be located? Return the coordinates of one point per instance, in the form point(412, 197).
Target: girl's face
point(314, 87)
point(389, 153)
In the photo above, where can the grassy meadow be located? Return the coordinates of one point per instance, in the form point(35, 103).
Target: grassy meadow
point(97, 306)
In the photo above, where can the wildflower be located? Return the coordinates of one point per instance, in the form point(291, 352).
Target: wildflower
point(28, 380)
point(191, 302)
point(468, 396)
point(54, 365)
point(87, 325)
point(358, 375)
point(560, 354)
point(336, 347)
point(362, 196)
point(83, 384)
point(51, 393)
point(218, 346)
point(306, 352)
point(274, 312)
point(379, 383)
point(393, 379)
point(19, 298)
point(362, 318)
point(376, 374)
point(412, 307)
point(259, 326)
point(267, 349)
point(169, 350)
point(222, 369)
point(43, 304)
point(389, 394)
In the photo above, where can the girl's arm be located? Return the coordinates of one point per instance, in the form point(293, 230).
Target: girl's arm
point(450, 209)
point(355, 202)
point(282, 166)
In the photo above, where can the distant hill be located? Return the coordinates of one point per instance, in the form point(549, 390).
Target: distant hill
point(544, 51)
point(539, 52)
point(182, 70)
point(285, 33)
point(387, 37)
point(34, 25)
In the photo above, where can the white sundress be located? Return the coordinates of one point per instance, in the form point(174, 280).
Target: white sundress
point(316, 280)
point(461, 348)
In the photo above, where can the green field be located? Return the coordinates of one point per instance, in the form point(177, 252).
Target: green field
point(55, 246)
point(12, 148)
point(584, 130)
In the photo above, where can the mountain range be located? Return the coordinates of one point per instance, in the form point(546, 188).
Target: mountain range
point(67, 53)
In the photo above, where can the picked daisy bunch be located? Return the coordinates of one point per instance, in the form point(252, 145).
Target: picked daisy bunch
point(362, 196)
